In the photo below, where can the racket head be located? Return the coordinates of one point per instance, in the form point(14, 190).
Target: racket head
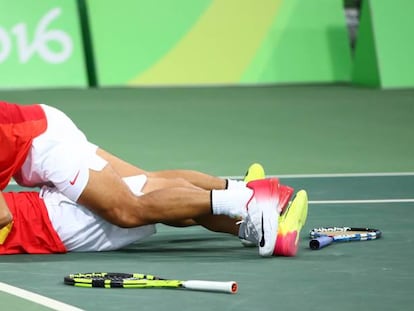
point(343, 234)
point(109, 279)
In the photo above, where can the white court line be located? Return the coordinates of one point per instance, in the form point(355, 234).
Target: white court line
point(347, 175)
point(362, 201)
point(384, 174)
point(41, 300)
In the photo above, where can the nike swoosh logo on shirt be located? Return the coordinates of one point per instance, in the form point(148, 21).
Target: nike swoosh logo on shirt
point(72, 182)
point(262, 240)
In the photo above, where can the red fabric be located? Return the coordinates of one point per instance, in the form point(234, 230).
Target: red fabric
point(32, 231)
point(19, 125)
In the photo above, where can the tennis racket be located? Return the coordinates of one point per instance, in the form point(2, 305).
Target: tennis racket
point(321, 237)
point(138, 280)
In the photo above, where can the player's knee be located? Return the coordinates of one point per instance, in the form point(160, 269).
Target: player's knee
point(120, 208)
point(126, 215)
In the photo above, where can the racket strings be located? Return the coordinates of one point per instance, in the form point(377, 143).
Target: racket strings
point(118, 280)
point(117, 277)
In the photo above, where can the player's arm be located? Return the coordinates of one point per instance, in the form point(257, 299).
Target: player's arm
point(6, 219)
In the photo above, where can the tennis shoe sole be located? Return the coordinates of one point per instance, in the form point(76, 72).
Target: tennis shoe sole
point(254, 172)
point(290, 225)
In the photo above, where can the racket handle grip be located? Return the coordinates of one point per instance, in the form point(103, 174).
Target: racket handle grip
point(224, 287)
point(320, 242)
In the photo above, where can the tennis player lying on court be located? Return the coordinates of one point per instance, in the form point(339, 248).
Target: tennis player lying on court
point(49, 222)
point(41, 146)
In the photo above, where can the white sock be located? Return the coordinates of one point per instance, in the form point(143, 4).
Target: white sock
point(231, 202)
point(235, 184)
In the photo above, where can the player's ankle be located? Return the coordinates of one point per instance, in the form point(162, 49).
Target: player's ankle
point(230, 202)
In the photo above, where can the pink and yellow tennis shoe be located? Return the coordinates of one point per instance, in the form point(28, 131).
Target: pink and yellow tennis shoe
point(290, 223)
point(256, 172)
point(261, 223)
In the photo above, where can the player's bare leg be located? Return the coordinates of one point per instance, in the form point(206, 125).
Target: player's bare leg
point(108, 195)
point(196, 178)
point(219, 223)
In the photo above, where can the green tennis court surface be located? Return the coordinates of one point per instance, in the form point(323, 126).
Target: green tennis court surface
point(19, 304)
point(290, 130)
point(373, 275)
